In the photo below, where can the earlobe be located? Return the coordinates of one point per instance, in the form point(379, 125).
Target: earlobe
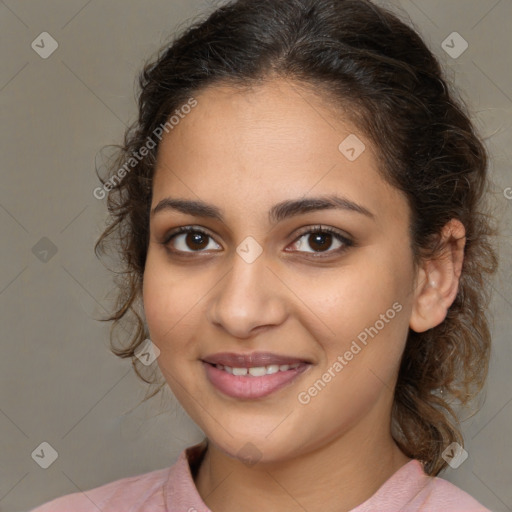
point(438, 279)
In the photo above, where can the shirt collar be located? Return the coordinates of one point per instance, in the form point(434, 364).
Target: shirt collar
point(181, 493)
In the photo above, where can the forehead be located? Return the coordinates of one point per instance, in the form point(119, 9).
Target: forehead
point(255, 147)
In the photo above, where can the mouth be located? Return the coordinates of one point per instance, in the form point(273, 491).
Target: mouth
point(254, 359)
point(252, 376)
point(257, 371)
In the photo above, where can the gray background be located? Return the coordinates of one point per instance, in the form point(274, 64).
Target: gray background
point(58, 381)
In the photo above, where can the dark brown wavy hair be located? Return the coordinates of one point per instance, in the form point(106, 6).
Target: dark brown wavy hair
point(372, 66)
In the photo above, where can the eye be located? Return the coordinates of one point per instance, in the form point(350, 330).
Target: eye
point(189, 239)
point(320, 239)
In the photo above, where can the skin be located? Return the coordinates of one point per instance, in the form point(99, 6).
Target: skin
point(244, 151)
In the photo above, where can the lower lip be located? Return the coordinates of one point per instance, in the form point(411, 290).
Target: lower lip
point(239, 386)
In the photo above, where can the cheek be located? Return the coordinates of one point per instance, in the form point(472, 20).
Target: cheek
point(171, 305)
point(350, 300)
point(361, 311)
point(367, 312)
point(169, 300)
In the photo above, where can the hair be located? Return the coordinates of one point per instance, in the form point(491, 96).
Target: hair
point(365, 61)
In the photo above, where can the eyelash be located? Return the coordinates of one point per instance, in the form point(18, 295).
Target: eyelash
point(347, 243)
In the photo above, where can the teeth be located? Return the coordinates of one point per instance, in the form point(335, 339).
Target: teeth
point(258, 371)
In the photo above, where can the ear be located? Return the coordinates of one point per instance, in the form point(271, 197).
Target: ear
point(437, 280)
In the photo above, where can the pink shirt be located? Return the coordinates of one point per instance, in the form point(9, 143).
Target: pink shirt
point(173, 490)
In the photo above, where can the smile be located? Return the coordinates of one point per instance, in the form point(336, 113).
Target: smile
point(253, 382)
point(257, 371)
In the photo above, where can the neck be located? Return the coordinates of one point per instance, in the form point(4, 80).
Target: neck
point(337, 476)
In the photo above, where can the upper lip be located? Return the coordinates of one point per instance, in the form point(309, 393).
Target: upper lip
point(234, 360)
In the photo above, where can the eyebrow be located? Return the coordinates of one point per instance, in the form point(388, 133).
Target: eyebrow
point(277, 213)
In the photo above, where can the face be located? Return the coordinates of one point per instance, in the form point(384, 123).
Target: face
point(256, 281)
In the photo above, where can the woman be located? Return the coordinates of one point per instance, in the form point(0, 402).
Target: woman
point(300, 209)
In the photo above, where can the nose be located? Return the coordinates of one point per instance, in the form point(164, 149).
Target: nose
point(248, 298)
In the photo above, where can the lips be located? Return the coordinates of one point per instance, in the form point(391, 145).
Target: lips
point(252, 376)
point(256, 359)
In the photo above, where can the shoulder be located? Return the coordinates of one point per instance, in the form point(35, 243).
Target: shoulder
point(410, 489)
point(161, 490)
point(135, 494)
point(437, 494)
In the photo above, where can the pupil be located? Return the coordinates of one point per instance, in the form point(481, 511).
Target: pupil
point(320, 239)
point(195, 239)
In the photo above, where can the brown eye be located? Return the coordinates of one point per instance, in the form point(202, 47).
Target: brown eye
point(196, 240)
point(322, 240)
point(189, 240)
